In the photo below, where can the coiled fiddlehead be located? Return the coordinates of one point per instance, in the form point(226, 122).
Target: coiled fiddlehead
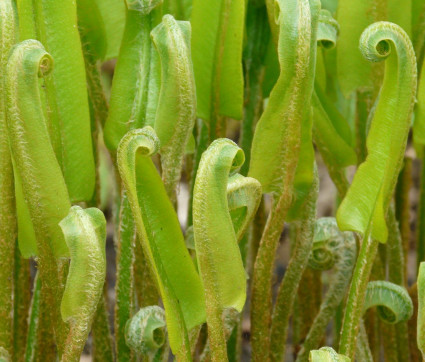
point(42, 182)
point(331, 249)
point(367, 200)
point(34, 161)
point(146, 334)
point(219, 260)
point(392, 301)
point(373, 185)
point(328, 29)
point(85, 235)
point(162, 241)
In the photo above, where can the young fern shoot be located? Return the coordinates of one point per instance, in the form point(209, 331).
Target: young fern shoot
point(85, 235)
point(219, 261)
point(366, 203)
point(159, 232)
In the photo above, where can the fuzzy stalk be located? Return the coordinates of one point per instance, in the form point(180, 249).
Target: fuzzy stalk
point(356, 296)
point(21, 306)
point(102, 340)
point(8, 228)
point(124, 283)
point(298, 262)
point(34, 314)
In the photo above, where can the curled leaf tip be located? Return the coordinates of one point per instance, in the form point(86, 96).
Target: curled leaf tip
point(375, 42)
point(85, 235)
point(219, 259)
point(392, 301)
point(328, 239)
point(160, 234)
point(146, 332)
point(144, 139)
point(366, 203)
point(221, 268)
point(328, 30)
point(42, 193)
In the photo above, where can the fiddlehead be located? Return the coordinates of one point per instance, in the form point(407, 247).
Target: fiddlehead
point(331, 249)
point(34, 161)
point(42, 182)
point(221, 267)
point(392, 301)
point(176, 112)
point(162, 241)
point(327, 30)
point(367, 200)
point(392, 116)
point(146, 334)
point(85, 235)
point(353, 18)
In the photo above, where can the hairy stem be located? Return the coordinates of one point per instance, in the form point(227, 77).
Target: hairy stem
point(356, 296)
point(288, 289)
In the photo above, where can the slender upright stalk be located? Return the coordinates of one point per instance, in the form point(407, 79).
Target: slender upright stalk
point(396, 275)
point(258, 34)
point(420, 236)
point(357, 293)
point(402, 206)
point(298, 262)
point(8, 229)
point(34, 314)
point(21, 304)
point(263, 270)
point(102, 341)
point(124, 283)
